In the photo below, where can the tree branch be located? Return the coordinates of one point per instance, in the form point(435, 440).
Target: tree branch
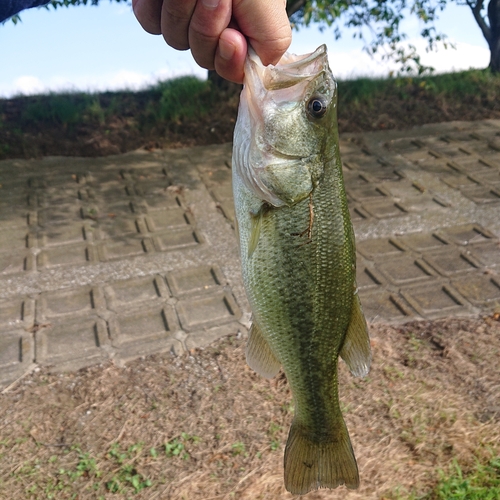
point(476, 10)
point(293, 7)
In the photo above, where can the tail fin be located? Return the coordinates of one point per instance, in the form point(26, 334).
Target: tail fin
point(310, 465)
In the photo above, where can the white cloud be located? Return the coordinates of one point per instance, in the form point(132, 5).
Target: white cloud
point(466, 56)
point(356, 63)
point(123, 79)
point(28, 84)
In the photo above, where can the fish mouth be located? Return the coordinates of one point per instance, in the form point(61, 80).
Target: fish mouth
point(291, 69)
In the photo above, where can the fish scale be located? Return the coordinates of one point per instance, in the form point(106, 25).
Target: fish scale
point(305, 305)
point(298, 257)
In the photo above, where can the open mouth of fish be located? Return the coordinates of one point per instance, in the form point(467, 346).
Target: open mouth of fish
point(291, 69)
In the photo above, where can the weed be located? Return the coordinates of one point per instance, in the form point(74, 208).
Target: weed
point(392, 373)
point(477, 85)
point(85, 466)
point(95, 112)
point(177, 448)
point(482, 483)
point(60, 109)
point(345, 408)
point(288, 407)
point(238, 448)
point(183, 97)
point(189, 437)
point(274, 428)
point(415, 343)
point(275, 445)
point(400, 493)
point(127, 476)
point(115, 453)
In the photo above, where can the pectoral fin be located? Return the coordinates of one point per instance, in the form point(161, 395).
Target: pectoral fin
point(259, 355)
point(256, 223)
point(356, 350)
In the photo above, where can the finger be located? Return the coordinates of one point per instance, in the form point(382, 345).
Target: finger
point(230, 55)
point(266, 25)
point(148, 13)
point(175, 18)
point(209, 20)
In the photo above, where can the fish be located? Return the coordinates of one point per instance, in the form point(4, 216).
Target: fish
point(298, 257)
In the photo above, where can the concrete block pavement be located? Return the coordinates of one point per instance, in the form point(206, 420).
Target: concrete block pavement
point(129, 255)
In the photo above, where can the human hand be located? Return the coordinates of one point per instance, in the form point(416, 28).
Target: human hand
point(217, 31)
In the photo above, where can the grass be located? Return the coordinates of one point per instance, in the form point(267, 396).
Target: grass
point(476, 84)
point(187, 97)
point(75, 470)
point(481, 482)
point(174, 112)
point(177, 446)
point(188, 111)
point(184, 97)
point(126, 476)
point(171, 100)
point(62, 109)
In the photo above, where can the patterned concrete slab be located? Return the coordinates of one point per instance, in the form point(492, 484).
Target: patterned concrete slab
point(426, 211)
point(129, 255)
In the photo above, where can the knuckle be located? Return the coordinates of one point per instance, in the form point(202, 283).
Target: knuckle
point(177, 11)
point(205, 29)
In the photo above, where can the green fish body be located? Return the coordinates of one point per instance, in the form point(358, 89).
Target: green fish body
point(298, 257)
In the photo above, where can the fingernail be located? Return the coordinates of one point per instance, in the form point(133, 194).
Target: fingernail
point(211, 4)
point(226, 49)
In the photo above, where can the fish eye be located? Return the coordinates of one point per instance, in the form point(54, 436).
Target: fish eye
point(316, 107)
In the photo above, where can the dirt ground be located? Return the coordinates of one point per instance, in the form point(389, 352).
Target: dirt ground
point(205, 426)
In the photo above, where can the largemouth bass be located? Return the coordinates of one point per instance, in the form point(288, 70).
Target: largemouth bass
point(298, 257)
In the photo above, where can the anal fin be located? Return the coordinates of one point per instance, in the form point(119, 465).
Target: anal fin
point(259, 355)
point(356, 350)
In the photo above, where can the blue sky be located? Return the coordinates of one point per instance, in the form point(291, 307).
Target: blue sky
point(104, 47)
